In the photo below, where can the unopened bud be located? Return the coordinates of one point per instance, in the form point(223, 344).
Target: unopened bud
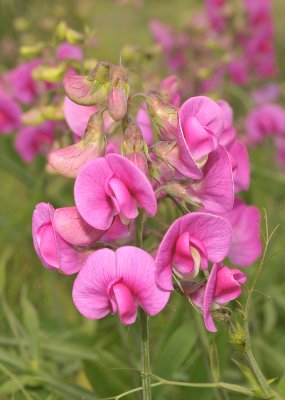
point(33, 117)
point(163, 115)
point(118, 102)
point(134, 147)
point(32, 51)
point(101, 73)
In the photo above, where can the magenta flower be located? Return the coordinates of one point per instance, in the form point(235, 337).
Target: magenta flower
point(239, 71)
point(21, 83)
point(31, 140)
point(189, 244)
point(215, 13)
point(224, 285)
point(216, 189)
point(112, 186)
point(229, 133)
point(10, 114)
point(118, 282)
point(200, 124)
point(169, 89)
point(68, 51)
point(52, 250)
point(266, 120)
point(144, 122)
point(239, 153)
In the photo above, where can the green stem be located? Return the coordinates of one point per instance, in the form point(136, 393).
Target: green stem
point(145, 359)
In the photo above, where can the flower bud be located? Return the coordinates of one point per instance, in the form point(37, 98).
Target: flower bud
point(117, 102)
point(163, 115)
point(69, 160)
point(32, 51)
point(134, 147)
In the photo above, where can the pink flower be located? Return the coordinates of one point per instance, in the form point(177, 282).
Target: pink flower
point(239, 153)
point(31, 140)
point(144, 122)
point(246, 245)
point(171, 91)
point(216, 189)
point(52, 250)
point(118, 282)
point(68, 51)
point(189, 244)
point(77, 116)
point(238, 70)
point(224, 285)
point(215, 13)
point(200, 124)
point(280, 156)
point(10, 114)
point(21, 84)
point(229, 133)
point(112, 186)
point(266, 94)
point(265, 120)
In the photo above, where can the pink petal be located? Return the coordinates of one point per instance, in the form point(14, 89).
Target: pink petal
point(135, 180)
point(91, 198)
point(144, 123)
point(77, 116)
point(117, 231)
point(239, 152)
point(73, 229)
point(89, 293)
point(208, 299)
point(68, 51)
point(216, 190)
point(10, 114)
point(228, 284)
point(127, 307)
point(137, 268)
point(126, 204)
point(215, 235)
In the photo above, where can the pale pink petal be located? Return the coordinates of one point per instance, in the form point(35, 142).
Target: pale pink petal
point(77, 116)
point(239, 152)
point(73, 229)
point(10, 114)
point(126, 203)
point(144, 122)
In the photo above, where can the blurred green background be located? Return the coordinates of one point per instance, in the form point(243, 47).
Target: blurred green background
point(47, 350)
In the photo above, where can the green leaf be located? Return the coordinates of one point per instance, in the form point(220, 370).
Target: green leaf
point(214, 361)
point(248, 375)
point(175, 351)
point(14, 385)
point(280, 388)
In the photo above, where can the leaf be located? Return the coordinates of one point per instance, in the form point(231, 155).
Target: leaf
point(6, 255)
point(31, 322)
point(175, 351)
point(214, 361)
point(280, 388)
point(14, 385)
point(248, 375)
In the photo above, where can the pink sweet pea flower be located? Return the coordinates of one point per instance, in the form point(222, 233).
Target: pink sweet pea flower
point(224, 285)
point(238, 70)
point(52, 250)
point(112, 186)
point(21, 84)
point(118, 282)
point(200, 124)
point(189, 244)
point(229, 133)
point(10, 114)
point(31, 140)
point(216, 189)
point(246, 245)
point(68, 51)
point(77, 116)
point(265, 120)
point(240, 156)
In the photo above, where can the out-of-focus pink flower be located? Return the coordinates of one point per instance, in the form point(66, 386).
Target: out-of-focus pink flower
point(238, 70)
point(33, 140)
point(267, 120)
point(170, 90)
point(246, 245)
point(21, 84)
point(162, 34)
point(118, 282)
point(216, 189)
point(229, 132)
point(188, 245)
point(52, 250)
point(68, 51)
point(280, 154)
point(10, 114)
point(266, 94)
point(112, 186)
point(239, 152)
point(224, 285)
point(258, 12)
point(200, 124)
point(215, 13)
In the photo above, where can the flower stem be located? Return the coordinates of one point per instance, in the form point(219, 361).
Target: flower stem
point(145, 359)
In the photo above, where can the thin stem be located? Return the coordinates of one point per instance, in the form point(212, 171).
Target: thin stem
point(145, 359)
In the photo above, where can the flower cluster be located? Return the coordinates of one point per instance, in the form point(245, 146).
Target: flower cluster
point(129, 158)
